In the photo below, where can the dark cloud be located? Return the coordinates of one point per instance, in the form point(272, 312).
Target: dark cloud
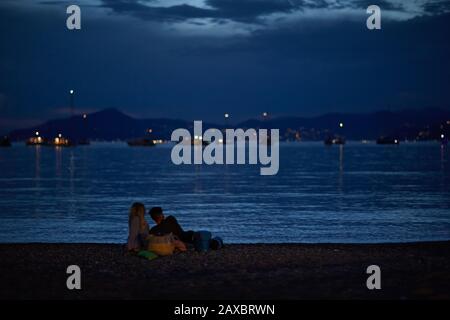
point(248, 9)
point(147, 12)
point(242, 10)
point(437, 7)
point(383, 4)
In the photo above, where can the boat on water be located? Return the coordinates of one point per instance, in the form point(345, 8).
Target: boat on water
point(388, 140)
point(60, 141)
point(5, 142)
point(143, 142)
point(334, 140)
point(36, 141)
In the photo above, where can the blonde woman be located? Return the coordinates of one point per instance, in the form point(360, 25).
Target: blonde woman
point(137, 228)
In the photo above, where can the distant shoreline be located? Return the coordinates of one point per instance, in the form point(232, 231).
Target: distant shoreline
point(113, 124)
point(419, 270)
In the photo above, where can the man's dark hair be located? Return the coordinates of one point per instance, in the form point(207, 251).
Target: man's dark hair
point(155, 212)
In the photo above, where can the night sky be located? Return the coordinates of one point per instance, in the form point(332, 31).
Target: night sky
point(200, 58)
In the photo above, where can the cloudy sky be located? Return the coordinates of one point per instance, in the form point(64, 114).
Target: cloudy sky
point(196, 59)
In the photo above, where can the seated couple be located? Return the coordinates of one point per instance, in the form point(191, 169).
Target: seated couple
point(139, 230)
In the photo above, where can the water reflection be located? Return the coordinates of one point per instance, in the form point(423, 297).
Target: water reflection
point(341, 168)
point(37, 164)
point(73, 200)
point(37, 172)
point(58, 161)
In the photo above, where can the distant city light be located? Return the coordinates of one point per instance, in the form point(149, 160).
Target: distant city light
point(84, 116)
point(396, 141)
point(150, 130)
point(264, 114)
point(72, 92)
point(226, 115)
point(59, 135)
point(341, 125)
point(442, 136)
point(37, 133)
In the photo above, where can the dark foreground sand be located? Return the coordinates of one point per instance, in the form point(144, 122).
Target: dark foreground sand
point(293, 271)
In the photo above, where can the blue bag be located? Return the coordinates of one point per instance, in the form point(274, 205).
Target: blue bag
point(202, 240)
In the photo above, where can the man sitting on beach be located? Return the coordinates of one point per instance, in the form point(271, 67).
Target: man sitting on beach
point(169, 225)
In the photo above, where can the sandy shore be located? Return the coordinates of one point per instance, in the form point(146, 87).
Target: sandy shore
point(272, 271)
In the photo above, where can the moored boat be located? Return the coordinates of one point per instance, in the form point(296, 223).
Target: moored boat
point(36, 141)
point(334, 140)
point(60, 141)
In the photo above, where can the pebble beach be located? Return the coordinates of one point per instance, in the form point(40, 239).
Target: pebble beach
point(240, 271)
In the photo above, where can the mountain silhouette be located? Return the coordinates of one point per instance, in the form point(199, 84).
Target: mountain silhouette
point(112, 124)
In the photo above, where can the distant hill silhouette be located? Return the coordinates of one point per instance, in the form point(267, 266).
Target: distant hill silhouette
point(111, 124)
point(404, 124)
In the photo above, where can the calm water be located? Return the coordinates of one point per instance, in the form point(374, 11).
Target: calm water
point(356, 193)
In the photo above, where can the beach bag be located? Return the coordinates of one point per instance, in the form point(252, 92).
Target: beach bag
point(179, 245)
point(202, 241)
point(216, 243)
point(161, 245)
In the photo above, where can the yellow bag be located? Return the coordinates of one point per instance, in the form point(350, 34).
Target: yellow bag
point(161, 245)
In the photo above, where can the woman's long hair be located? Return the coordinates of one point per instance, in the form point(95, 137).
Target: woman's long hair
point(138, 210)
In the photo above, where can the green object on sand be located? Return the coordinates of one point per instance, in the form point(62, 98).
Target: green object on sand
point(149, 255)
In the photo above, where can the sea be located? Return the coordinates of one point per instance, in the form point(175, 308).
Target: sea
point(355, 193)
